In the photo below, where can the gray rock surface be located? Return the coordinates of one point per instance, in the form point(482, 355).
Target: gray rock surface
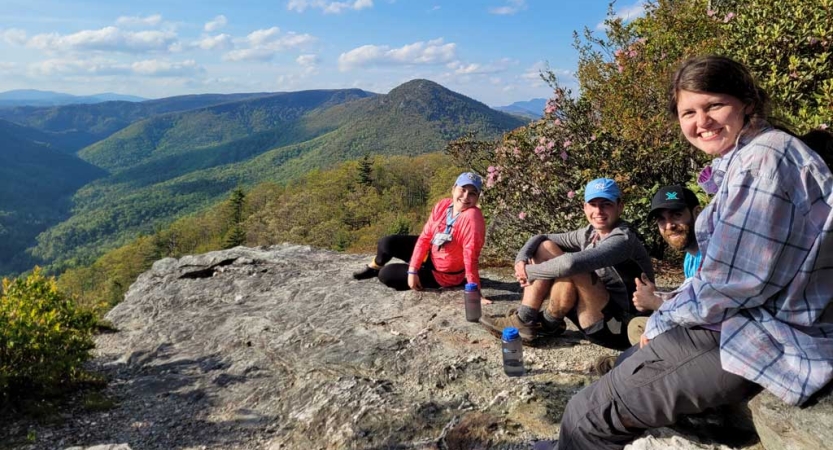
point(781, 426)
point(279, 348)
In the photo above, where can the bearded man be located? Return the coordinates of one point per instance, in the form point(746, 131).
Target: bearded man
point(674, 208)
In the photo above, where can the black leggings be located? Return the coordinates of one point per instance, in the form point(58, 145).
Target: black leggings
point(396, 275)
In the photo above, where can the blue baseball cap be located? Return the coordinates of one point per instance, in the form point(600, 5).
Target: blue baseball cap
point(602, 188)
point(471, 178)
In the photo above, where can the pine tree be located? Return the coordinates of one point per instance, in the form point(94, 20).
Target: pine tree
point(235, 235)
point(366, 171)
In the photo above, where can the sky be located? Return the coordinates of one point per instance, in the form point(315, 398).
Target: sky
point(490, 50)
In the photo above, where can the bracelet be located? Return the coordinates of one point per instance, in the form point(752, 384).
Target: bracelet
point(411, 272)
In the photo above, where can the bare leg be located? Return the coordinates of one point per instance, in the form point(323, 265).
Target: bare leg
point(583, 291)
point(592, 298)
point(537, 291)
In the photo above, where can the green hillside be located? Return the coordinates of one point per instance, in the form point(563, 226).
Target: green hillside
point(73, 127)
point(175, 164)
point(36, 184)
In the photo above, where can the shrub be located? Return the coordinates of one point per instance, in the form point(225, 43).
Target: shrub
point(44, 336)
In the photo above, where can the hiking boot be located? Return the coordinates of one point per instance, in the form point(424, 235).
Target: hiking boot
point(603, 365)
point(553, 329)
point(528, 331)
point(368, 272)
point(636, 327)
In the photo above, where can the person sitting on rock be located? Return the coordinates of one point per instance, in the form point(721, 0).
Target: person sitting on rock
point(587, 274)
point(674, 209)
point(445, 254)
point(759, 312)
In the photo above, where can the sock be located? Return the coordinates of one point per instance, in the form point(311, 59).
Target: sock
point(373, 265)
point(550, 320)
point(527, 314)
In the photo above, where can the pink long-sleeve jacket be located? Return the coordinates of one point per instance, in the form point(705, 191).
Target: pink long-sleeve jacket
point(455, 261)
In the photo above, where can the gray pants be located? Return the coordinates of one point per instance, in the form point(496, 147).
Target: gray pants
point(678, 373)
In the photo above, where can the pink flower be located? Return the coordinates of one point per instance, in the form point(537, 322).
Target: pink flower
point(491, 169)
point(823, 126)
point(516, 151)
point(620, 68)
point(729, 17)
point(540, 149)
point(641, 40)
point(711, 13)
point(550, 145)
point(563, 155)
point(592, 137)
point(632, 54)
point(568, 143)
point(557, 122)
point(794, 75)
point(549, 109)
point(522, 215)
point(571, 194)
point(542, 140)
point(618, 52)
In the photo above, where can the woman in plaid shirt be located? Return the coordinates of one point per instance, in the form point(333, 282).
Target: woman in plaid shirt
point(758, 314)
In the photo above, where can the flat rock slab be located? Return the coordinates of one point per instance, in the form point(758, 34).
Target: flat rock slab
point(279, 348)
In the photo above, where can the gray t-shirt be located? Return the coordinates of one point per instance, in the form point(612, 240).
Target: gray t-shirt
point(618, 258)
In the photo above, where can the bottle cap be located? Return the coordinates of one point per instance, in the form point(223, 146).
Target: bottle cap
point(510, 333)
point(471, 287)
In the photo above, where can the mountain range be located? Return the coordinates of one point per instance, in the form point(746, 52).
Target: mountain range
point(130, 168)
point(530, 109)
point(33, 97)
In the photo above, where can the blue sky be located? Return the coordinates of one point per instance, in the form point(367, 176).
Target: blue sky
point(490, 50)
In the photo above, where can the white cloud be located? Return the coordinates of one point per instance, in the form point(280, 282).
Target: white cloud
point(261, 37)
point(328, 7)
point(219, 42)
point(262, 45)
point(461, 68)
point(214, 25)
point(136, 21)
point(105, 39)
point(161, 68)
point(307, 60)
point(14, 36)
point(74, 66)
point(105, 67)
point(626, 13)
point(512, 7)
point(7, 66)
point(431, 52)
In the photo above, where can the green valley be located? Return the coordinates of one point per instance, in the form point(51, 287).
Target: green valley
point(175, 163)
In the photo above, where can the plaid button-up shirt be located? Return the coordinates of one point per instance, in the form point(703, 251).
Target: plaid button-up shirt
point(767, 274)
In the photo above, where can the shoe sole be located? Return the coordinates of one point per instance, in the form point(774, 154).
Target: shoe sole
point(636, 327)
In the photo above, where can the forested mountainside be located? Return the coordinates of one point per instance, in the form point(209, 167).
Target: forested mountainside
point(73, 127)
point(36, 184)
point(177, 163)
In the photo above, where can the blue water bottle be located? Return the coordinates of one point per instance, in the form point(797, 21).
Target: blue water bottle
point(472, 299)
point(513, 352)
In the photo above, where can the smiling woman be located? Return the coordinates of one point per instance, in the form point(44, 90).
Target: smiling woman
point(445, 254)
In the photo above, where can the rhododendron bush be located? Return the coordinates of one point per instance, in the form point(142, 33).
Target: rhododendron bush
point(617, 125)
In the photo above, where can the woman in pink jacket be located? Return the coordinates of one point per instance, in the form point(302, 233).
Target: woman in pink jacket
point(445, 254)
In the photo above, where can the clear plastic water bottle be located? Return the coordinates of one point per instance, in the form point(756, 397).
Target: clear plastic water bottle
point(472, 299)
point(513, 352)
